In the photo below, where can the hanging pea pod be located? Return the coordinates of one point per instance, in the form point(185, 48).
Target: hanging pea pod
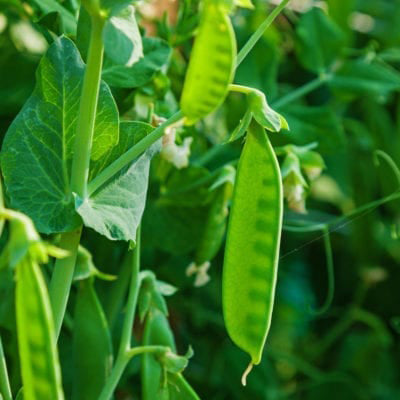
point(252, 249)
point(92, 348)
point(41, 374)
point(214, 227)
point(156, 383)
point(212, 63)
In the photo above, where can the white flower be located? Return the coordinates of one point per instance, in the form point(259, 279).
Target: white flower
point(178, 155)
point(201, 272)
point(295, 196)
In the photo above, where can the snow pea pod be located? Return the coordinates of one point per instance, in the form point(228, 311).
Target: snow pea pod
point(155, 386)
point(92, 348)
point(215, 225)
point(212, 64)
point(40, 369)
point(252, 249)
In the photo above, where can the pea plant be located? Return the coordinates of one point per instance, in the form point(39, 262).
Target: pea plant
point(97, 172)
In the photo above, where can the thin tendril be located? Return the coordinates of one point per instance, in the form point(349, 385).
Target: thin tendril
point(389, 160)
point(337, 222)
point(330, 274)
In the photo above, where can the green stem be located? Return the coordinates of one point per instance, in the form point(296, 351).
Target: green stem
point(5, 388)
point(131, 154)
point(61, 279)
point(339, 222)
point(87, 109)
point(330, 274)
point(124, 353)
point(301, 91)
point(134, 287)
point(389, 160)
point(150, 349)
point(121, 364)
point(375, 323)
point(259, 32)
point(240, 89)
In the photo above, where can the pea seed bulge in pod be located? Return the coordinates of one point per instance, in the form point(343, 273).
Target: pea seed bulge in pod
point(199, 199)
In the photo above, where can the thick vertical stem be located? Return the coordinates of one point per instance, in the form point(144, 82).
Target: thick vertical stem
point(87, 109)
point(61, 279)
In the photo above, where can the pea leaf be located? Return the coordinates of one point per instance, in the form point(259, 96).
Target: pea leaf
point(241, 128)
point(113, 7)
point(122, 40)
point(319, 40)
point(357, 78)
point(85, 268)
point(264, 114)
point(156, 53)
point(310, 124)
point(38, 147)
point(174, 229)
point(67, 18)
point(116, 208)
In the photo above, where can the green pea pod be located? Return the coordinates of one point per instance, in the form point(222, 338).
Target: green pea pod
point(215, 226)
point(212, 64)
point(252, 248)
point(156, 386)
point(92, 348)
point(20, 394)
point(40, 368)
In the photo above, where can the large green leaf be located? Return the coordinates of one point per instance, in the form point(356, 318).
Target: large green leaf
point(116, 208)
point(38, 148)
point(156, 55)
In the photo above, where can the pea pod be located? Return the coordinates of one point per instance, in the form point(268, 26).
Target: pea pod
point(155, 386)
point(212, 63)
point(215, 225)
point(252, 249)
point(92, 349)
point(40, 369)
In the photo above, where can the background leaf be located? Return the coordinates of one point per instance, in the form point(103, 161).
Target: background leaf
point(122, 40)
point(156, 53)
point(319, 41)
